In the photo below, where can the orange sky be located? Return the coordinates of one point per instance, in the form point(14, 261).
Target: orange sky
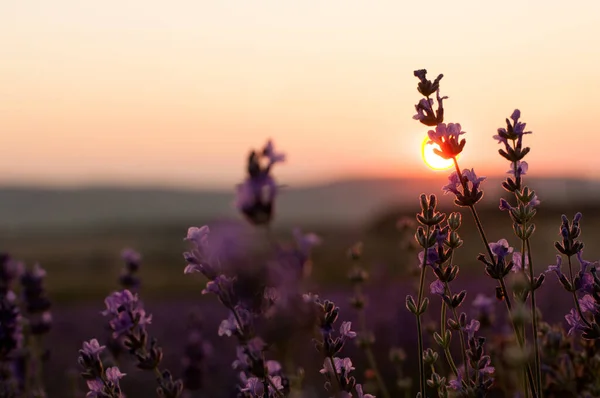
point(175, 93)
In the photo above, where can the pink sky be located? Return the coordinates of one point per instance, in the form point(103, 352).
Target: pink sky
point(175, 93)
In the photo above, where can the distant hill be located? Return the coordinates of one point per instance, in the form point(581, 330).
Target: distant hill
point(343, 202)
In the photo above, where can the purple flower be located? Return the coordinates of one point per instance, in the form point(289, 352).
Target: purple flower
point(456, 384)
point(113, 375)
point(518, 263)
point(222, 286)
point(118, 301)
point(468, 178)
point(270, 153)
point(360, 394)
point(96, 388)
point(127, 313)
point(574, 320)
point(447, 137)
point(584, 263)
point(342, 366)
point(588, 304)
point(92, 348)
point(424, 109)
point(585, 283)
point(521, 170)
point(500, 249)
point(437, 287)
point(556, 267)
point(472, 327)
point(483, 304)
point(305, 242)
point(130, 256)
point(432, 257)
point(198, 236)
point(453, 184)
point(345, 331)
point(504, 205)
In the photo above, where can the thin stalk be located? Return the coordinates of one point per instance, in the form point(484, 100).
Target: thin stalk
point(533, 313)
point(538, 362)
point(337, 379)
point(419, 331)
point(461, 334)
point(575, 295)
point(447, 349)
point(362, 320)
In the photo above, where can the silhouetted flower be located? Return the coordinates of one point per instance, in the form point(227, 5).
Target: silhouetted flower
point(447, 138)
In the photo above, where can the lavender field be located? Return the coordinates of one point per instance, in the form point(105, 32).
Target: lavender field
point(256, 233)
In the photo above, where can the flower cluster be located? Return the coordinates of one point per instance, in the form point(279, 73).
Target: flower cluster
point(336, 370)
point(101, 382)
point(128, 320)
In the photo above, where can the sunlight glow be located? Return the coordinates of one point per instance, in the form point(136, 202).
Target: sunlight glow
point(432, 160)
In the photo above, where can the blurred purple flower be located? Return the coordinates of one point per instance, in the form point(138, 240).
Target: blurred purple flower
point(518, 263)
point(472, 328)
point(484, 305)
point(360, 393)
point(345, 331)
point(574, 321)
point(584, 263)
point(131, 256)
point(274, 157)
point(588, 304)
point(556, 267)
point(437, 287)
point(432, 257)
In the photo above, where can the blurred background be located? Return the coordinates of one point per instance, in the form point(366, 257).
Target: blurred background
point(124, 123)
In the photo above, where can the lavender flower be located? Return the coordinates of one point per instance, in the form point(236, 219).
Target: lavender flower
point(500, 249)
point(517, 259)
point(128, 316)
point(256, 195)
point(437, 287)
point(520, 170)
point(472, 328)
point(484, 308)
point(10, 270)
point(470, 183)
point(101, 382)
point(425, 113)
point(447, 138)
point(128, 278)
point(575, 322)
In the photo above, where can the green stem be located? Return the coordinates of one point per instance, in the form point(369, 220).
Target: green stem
point(419, 331)
point(538, 362)
point(575, 295)
point(362, 319)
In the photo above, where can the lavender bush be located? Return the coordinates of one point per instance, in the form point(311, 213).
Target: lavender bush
point(264, 285)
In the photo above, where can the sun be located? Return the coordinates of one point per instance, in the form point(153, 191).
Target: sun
point(431, 159)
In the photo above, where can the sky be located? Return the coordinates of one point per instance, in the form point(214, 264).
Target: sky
point(134, 92)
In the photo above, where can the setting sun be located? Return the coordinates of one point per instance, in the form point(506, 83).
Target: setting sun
point(431, 159)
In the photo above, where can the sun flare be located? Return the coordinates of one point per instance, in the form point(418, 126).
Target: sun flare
point(431, 159)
